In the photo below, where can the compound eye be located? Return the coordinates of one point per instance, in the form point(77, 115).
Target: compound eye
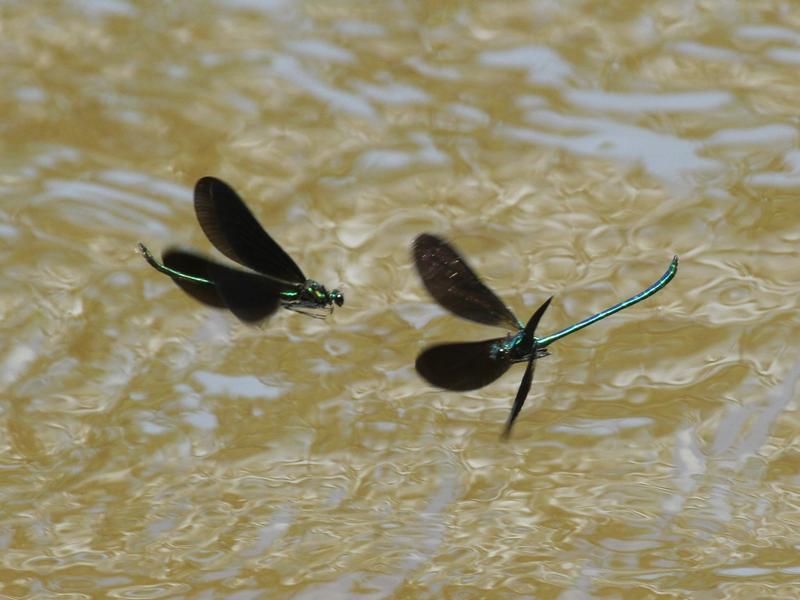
point(337, 297)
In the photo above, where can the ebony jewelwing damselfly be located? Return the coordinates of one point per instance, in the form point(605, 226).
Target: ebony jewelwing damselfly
point(251, 296)
point(472, 365)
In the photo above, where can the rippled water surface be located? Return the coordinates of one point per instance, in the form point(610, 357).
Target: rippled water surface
point(152, 447)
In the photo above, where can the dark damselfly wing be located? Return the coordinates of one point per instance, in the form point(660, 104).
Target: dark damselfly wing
point(232, 228)
point(522, 394)
point(527, 378)
point(454, 285)
point(249, 296)
point(462, 366)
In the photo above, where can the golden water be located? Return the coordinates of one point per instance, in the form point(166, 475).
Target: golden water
point(151, 447)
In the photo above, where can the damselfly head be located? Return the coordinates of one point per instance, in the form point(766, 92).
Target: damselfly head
point(337, 297)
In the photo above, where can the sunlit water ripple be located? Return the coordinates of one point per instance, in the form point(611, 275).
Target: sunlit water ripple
point(156, 448)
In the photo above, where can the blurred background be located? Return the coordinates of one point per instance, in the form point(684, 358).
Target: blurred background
point(152, 447)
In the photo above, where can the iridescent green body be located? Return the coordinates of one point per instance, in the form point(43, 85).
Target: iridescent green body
point(516, 348)
point(311, 295)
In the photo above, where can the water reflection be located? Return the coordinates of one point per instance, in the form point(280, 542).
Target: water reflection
point(153, 447)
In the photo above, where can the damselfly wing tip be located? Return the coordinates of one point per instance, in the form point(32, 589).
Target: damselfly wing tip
point(231, 227)
point(455, 286)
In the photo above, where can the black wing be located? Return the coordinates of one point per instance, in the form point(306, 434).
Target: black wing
point(249, 296)
point(461, 367)
point(456, 287)
point(522, 394)
point(232, 228)
point(527, 378)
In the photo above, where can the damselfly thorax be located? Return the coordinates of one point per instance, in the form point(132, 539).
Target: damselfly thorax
point(313, 298)
point(515, 348)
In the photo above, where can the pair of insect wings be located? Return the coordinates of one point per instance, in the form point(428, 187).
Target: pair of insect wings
point(232, 228)
point(453, 284)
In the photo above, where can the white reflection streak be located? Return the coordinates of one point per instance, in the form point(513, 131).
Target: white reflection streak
point(690, 461)
point(423, 539)
point(269, 7)
point(768, 135)
point(769, 33)
point(322, 50)
point(242, 386)
point(661, 154)
point(433, 71)
point(543, 64)
point(19, 359)
point(705, 52)
point(120, 210)
point(601, 427)
point(290, 69)
point(638, 102)
point(778, 399)
point(387, 160)
point(392, 94)
point(789, 56)
point(105, 8)
point(270, 533)
point(778, 178)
